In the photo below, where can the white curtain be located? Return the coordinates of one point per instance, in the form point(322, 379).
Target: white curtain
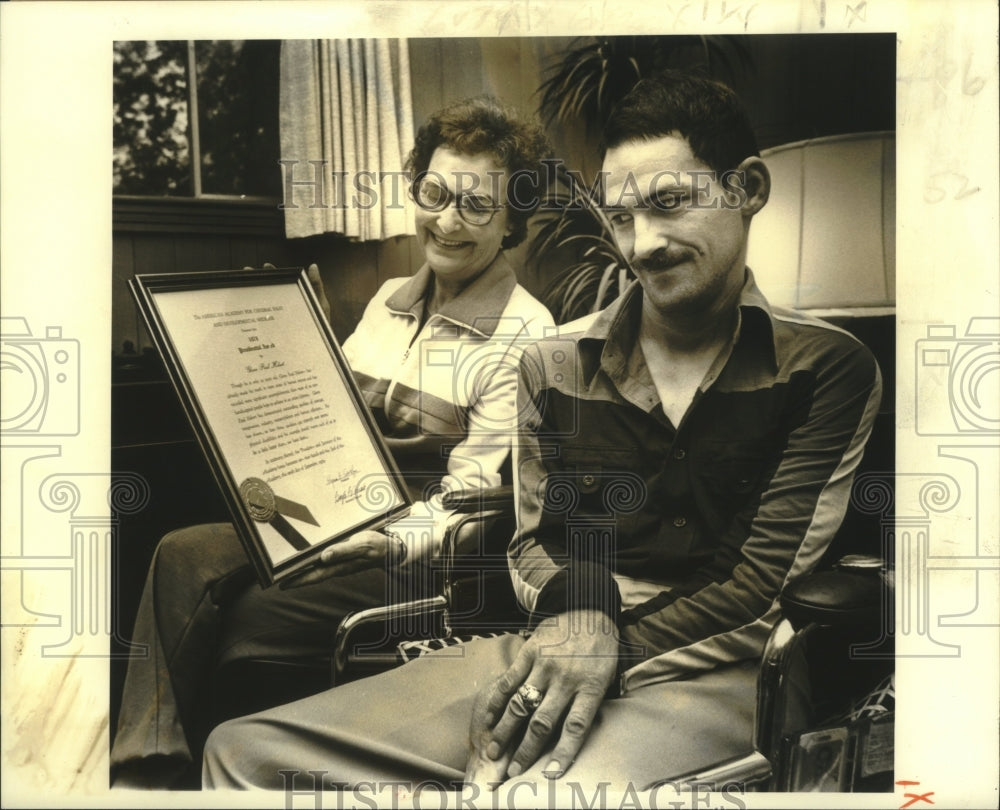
point(346, 120)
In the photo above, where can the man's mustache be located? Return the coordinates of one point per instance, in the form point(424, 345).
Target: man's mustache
point(664, 259)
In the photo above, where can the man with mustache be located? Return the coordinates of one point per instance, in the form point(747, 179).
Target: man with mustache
point(681, 456)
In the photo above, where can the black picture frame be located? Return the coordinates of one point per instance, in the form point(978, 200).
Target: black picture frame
point(229, 421)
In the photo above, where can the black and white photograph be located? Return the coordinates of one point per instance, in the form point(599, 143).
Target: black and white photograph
point(507, 405)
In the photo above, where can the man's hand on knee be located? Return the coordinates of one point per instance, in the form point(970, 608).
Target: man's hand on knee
point(552, 691)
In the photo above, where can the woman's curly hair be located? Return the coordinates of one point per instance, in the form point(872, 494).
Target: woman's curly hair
point(481, 125)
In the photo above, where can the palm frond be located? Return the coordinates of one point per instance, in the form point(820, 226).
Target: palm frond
point(602, 288)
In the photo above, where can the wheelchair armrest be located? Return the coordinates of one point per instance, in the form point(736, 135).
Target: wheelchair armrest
point(479, 500)
point(469, 534)
point(841, 601)
point(476, 579)
point(470, 575)
point(851, 593)
point(748, 771)
point(368, 636)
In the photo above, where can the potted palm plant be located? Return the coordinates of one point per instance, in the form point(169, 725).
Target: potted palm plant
point(574, 248)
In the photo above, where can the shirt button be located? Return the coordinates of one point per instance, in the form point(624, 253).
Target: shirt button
point(680, 522)
point(679, 453)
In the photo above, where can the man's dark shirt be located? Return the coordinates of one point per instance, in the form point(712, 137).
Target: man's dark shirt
point(708, 518)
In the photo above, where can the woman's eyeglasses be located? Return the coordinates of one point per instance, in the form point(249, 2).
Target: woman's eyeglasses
point(472, 208)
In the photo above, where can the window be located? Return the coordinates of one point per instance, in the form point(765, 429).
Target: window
point(215, 137)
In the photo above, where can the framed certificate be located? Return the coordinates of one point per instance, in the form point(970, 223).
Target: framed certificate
point(291, 443)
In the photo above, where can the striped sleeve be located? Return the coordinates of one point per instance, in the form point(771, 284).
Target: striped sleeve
point(724, 611)
point(547, 580)
point(490, 373)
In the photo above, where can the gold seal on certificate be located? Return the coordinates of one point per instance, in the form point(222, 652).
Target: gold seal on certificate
point(266, 507)
point(275, 407)
point(259, 499)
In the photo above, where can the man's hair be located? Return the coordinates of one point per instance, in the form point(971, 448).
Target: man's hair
point(482, 125)
point(704, 112)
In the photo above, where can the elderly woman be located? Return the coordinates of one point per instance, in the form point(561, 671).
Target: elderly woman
point(447, 424)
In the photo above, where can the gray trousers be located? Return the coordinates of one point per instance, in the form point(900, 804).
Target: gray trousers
point(202, 607)
point(410, 725)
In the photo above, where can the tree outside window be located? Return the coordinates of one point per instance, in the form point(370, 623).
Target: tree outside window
point(211, 138)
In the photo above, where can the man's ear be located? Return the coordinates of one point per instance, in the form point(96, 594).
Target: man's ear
point(755, 180)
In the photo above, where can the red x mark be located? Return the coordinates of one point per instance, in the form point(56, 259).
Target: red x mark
point(914, 797)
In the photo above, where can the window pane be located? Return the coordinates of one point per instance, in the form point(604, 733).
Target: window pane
point(238, 116)
point(151, 148)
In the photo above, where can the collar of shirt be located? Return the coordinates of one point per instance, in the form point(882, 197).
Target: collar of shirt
point(611, 343)
point(477, 308)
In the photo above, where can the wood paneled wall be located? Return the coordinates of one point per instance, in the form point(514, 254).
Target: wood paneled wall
point(352, 271)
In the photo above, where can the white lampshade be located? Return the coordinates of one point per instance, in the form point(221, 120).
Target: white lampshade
point(826, 238)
